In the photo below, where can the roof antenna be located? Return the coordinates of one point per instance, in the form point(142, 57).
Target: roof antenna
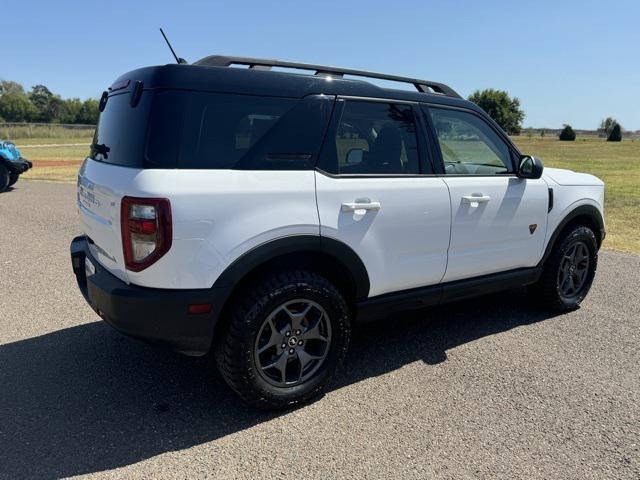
point(178, 59)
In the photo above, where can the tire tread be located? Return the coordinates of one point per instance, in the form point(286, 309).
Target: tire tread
point(251, 301)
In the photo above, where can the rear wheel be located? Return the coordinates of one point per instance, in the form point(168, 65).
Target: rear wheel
point(4, 178)
point(284, 339)
point(568, 273)
point(13, 178)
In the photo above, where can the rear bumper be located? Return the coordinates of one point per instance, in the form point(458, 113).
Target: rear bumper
point(157, 315)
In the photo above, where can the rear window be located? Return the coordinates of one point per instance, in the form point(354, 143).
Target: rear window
point(199, 130)
point(119, 138)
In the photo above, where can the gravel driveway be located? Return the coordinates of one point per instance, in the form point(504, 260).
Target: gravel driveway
point(494, 388)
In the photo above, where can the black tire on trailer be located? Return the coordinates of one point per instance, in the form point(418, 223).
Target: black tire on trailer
point(283, 339)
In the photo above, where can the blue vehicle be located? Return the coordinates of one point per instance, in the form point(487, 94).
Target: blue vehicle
point(12, 164)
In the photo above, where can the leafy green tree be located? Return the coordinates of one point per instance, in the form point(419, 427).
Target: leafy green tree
point(16, 107)
point(89, 112)
point(501, 107)
point(71, 109)
point(606, 126)
point(40, 97)
point(7, 86)
point(567, 134)
point(616, 133)
point(46, 104)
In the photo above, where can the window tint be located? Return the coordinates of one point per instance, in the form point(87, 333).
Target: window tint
point(469, 146)
point(163, 142)
point(119, 138)
point(373, 138)
point(182, 129)
point(250, 132)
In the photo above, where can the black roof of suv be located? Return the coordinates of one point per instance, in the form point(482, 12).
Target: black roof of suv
point(216, 73)
point(180, 115)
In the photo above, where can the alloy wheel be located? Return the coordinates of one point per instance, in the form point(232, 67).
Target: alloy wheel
point(574, 269)
point(292, 343)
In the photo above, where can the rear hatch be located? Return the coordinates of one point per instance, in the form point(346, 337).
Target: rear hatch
point(116, 157)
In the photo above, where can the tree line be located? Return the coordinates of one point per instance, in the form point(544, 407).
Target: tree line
point(40, 105)
point(507, 113)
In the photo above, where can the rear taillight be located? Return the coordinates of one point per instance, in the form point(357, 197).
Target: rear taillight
point(146, 231)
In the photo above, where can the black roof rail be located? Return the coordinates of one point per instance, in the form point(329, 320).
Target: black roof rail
point(425, 86)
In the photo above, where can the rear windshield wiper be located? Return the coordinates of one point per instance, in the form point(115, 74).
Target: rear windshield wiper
point(101, 149)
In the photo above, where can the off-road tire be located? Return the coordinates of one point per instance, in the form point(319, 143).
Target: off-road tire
point(548, 286)
point(250, 309)
point(13, 178)
point(4, 178)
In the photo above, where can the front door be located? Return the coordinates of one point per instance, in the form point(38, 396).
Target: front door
point(498, 220)
point(373, 195)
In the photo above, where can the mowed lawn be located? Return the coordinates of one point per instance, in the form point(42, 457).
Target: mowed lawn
point(56, 159)
point(618, 164)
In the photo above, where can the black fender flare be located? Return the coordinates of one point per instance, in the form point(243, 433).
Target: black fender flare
point(584, 210)
point(261, 254)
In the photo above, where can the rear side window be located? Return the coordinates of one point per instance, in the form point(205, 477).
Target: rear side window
point(223, 131)
point(201, 130)
point(373, 138)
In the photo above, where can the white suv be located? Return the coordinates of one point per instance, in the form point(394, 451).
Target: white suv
point(258, 213)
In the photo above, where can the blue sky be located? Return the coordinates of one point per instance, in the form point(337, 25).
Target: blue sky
point(568, 61)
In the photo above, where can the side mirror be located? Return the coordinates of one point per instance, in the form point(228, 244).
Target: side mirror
point(355, 156)
point(530, 167)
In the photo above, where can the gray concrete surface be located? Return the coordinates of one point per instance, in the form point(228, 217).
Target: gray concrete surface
point(495, 388)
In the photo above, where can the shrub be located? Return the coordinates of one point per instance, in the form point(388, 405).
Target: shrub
point(567, 134)
point(616, 134)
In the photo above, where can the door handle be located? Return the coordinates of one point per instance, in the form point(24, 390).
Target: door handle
point(475, 199)
point(360, 206)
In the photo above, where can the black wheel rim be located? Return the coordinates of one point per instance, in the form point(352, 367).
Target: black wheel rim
point(292, 343)
point(574, 269)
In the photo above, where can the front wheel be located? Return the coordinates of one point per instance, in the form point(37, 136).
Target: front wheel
point(4, 178)
point(283, 340)
point(13, 178)
point(569, 271)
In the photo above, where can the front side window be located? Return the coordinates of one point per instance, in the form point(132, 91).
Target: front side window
point(373, 138)
point(469, 146)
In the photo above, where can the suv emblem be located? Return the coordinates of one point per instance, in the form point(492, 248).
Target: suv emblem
point(532, 228)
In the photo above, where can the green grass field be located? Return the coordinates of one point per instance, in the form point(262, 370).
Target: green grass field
point(618, 164)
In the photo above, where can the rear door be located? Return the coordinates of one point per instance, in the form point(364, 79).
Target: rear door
point(375, 194)
point(498, 221)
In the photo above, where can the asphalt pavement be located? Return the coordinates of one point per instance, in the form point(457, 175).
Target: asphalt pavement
point(492, 388)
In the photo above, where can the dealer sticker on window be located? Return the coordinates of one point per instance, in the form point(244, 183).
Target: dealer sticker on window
point(89, 268)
